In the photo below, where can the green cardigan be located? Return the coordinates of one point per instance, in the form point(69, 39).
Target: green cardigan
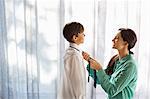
point(121, 84)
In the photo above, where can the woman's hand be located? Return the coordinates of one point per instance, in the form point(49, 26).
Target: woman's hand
point(85, 55)
point(93, 63)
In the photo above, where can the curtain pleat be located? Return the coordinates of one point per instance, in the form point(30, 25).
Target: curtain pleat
point(32, 45)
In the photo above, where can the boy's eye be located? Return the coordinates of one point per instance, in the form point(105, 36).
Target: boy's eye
point(82, 34)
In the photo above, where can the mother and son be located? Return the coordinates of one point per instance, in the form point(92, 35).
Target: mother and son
point(118, 80)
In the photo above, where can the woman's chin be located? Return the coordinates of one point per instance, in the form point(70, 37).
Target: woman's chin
point(113, 47)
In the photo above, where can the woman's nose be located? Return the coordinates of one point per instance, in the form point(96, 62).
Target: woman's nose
point(113, 40)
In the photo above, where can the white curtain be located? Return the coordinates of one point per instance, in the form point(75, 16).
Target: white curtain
point(32, 45)
point(29, 31)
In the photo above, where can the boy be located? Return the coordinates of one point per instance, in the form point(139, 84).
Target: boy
point(74, 77)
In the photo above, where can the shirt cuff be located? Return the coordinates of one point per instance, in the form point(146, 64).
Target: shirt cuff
point(101, 75)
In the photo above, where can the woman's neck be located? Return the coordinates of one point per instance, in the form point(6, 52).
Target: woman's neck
point(123, 53)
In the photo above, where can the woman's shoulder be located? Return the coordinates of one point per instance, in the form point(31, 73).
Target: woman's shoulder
point(131, 63)
point(131, 60)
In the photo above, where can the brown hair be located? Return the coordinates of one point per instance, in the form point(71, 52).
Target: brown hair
point(71, 29)
point(129, 36)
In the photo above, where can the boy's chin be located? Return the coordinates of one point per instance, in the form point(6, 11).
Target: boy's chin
point(82, 42)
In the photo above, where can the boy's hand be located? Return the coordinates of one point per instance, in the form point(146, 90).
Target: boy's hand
point(85, 55)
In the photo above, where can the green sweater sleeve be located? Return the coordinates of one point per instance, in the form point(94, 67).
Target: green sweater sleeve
point(91, 73)
point(116, 84)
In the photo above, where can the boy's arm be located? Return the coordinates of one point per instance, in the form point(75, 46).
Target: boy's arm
point(76, 76)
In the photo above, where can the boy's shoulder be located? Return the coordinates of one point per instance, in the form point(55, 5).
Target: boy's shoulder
point(71, 53)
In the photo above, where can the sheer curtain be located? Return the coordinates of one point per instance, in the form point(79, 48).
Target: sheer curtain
point(29, 31)
point(32, 45)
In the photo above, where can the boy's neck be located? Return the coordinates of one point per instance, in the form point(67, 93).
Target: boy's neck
point(74, 44)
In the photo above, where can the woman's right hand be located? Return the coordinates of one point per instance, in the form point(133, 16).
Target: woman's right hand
point(95, 65)
point(85, 55)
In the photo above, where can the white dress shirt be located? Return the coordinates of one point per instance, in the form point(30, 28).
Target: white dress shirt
point(73, 85)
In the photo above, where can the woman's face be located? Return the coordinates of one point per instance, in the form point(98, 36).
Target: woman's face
point(118, 42)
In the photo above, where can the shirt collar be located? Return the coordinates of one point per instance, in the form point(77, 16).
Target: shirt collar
point(75, 46)
point(125, 58)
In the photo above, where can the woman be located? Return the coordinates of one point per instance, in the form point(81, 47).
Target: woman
point(120, 77)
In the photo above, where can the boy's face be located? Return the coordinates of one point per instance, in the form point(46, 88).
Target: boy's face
point(79, 39)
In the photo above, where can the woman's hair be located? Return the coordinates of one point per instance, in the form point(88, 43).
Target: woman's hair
point(129, 36)
point(71, 29)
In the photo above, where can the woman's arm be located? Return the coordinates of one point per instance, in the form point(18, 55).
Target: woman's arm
point(91, 61)
point(116, 85)
point(91, 71)
point(119, 82)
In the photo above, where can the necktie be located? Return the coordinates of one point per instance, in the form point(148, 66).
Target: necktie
point(95, 77)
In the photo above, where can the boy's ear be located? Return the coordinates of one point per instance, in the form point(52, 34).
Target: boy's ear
point(74, 38)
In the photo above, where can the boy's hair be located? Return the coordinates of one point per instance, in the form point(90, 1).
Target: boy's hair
point(72, 29)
